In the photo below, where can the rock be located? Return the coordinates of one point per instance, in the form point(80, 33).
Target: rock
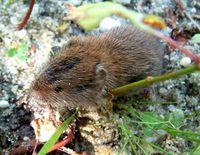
point(14, 20)
point(109, 23)
point(122, 1)
point(185, 62)
point(75, 2)
point(21, 34)
point(171, 108)
point(26, 138)
point(4, 104)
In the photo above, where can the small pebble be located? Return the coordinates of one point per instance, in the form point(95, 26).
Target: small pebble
point(21, 34)
point(4, 104)
point(36, 10)
point(171, 108)
point(14, 20)
point(185, 62)
point(123, 1)
point(75, 2)
point(151, 139)
point(163, 91)
point(109, 23)
point(193, 10)
point(162, 132)
point(26, 138)
point(7, 41)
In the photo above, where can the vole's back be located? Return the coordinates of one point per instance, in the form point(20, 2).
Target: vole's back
point(136, 54)
point(88, 66)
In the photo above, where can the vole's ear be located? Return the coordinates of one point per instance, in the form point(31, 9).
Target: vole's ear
point(100, 76)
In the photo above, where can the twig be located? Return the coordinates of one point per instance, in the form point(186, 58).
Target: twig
point(150, 80)
point(24, 21)
point(174, 44)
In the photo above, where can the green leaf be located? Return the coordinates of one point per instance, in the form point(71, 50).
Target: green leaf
point(148, 131)
point(177, 118)
point(151, 118)
point(56, 135)
point(188, 135)
point(89, 16)
point(12, 52)
point(23, 48)
point(22, 52)
point(196, 151)
point(196, 38)
point(152, 123)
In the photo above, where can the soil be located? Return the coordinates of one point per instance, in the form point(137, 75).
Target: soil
point(44, 36)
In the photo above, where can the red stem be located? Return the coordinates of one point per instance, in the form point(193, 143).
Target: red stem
point(64, 142)
point(185, 51)
point(36, 144)
point(24, 21)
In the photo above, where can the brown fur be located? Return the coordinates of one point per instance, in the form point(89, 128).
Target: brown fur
point(88, 66)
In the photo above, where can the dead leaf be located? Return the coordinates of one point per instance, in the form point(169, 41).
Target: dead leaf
point(43, 129)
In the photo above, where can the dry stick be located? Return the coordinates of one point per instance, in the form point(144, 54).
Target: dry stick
point(150, 80)
point(24, 21)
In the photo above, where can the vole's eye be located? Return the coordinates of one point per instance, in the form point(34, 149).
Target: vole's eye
point(58, 89)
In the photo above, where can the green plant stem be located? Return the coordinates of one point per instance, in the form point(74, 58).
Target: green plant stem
point(137, 22)
point(176, 132)
point(123, 147)
point(126, 131)
point(156, 79)
point(192, 136)
point(151, 144)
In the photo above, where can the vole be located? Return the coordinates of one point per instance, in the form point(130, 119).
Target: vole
point(83, 72)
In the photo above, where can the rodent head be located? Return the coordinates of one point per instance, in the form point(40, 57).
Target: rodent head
point(71, 81)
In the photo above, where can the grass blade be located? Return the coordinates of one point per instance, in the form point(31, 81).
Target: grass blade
point(47, 146)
